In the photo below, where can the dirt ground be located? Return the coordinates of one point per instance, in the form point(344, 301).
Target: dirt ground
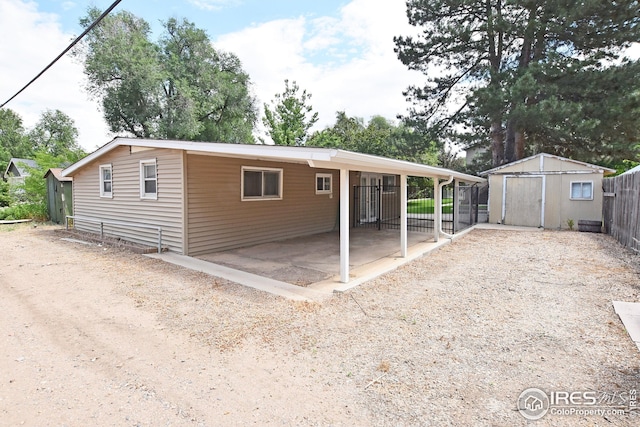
point(92, 335)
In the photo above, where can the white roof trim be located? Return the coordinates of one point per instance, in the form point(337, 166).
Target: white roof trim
point(315, 157)
point(541, 155)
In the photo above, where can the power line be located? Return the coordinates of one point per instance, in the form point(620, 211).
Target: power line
point(73, 43)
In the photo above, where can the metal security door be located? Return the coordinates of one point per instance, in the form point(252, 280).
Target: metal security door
point(369, 197)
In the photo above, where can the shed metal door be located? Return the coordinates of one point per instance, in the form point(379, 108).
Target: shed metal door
point(523, 201)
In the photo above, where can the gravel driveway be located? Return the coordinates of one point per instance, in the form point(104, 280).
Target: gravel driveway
point(91, 335)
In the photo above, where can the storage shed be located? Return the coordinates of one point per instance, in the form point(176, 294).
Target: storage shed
point(545, 191)
point(17, 170)
point(59, 195)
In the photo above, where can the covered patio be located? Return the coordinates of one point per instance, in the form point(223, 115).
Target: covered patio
point(308, 260)
point(304, 268)
point(346, 162)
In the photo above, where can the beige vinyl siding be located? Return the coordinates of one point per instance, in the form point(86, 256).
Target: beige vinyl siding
point(126, 204)
point(218, 219)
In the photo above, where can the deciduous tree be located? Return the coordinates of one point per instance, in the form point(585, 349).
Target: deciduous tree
point(289, 117)
point(178, 88)
point(56, 134)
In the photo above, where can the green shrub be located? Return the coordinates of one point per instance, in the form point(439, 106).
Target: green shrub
point(5, 194)
point(35, 211)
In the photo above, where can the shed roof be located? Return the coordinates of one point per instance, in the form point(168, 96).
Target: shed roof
point(328, 158)
point(57, 173)
point(21, 165)
point(605, 171)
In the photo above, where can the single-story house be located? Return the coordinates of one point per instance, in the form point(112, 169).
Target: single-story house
point(59, 195)
point(17, 170)
point(545, 191)
point(209, 197)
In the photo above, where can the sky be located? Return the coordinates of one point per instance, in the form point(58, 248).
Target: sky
point(340, 51)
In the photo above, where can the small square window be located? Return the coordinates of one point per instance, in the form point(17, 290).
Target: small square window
point(582, 190)
point(324, 183)
point(261, 183)
point(388, 183)
point(148, 179)
point(106, 181)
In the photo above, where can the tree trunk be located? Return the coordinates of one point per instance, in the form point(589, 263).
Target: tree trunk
point(510, 143)
point(497, 144)
point(519, 145)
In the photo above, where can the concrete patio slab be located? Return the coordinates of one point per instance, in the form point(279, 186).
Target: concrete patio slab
point(266, 284)
point(629, 313)
point(371, 270)
point(307, 268)
point(316, 258)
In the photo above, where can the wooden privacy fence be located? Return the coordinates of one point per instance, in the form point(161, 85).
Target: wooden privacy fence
point(621, 209)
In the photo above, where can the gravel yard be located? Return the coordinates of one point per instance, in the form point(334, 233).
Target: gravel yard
point(91, 335)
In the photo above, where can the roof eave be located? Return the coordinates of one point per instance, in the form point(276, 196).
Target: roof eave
point(328, 157)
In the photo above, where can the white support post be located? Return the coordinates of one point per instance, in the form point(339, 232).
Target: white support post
point(344, 225)
point(403, 216)
point(437, 208)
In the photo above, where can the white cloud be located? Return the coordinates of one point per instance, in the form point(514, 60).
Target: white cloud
point(358, 71)
point(213, 4)
point(31, 40)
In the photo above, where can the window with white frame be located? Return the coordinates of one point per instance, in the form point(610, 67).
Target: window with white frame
point(148, 179)
point(324, 183)
point(106, 181)
point(582, 190)
point(388, 183)
point(261, 183)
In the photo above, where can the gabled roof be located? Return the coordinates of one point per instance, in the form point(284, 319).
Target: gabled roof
point(327, 158)
point(606, 171)
point(20, 165)
point(57, 173)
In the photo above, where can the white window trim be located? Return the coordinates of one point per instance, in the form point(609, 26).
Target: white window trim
point(324, 175)
point(393, 190)
point(260, 169)
point(143, 195)
point(103, 193)
point(580, 198)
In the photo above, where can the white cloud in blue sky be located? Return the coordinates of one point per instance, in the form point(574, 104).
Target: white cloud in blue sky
point(340, 51)
point(214, 4)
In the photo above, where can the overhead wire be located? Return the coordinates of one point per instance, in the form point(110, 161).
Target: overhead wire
point(73, 43)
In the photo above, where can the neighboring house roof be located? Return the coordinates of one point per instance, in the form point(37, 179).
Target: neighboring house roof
point(328, 158)
point(605, 171)
point(57, 173)
point(632, 170)
point(20, 166)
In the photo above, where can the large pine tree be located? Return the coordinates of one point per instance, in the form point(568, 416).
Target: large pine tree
point(523, 76)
